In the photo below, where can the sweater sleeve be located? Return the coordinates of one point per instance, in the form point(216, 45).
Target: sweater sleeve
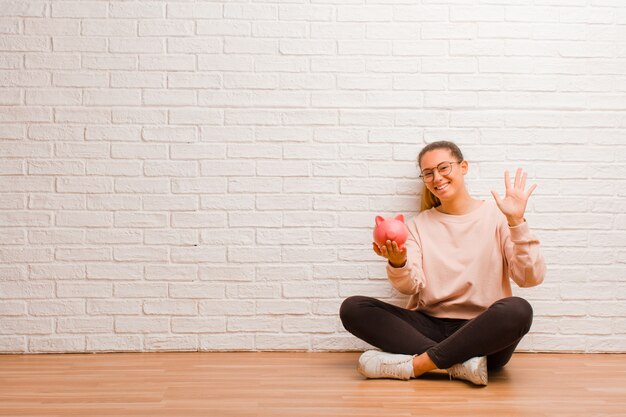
point(409, 279)
point(520, 246)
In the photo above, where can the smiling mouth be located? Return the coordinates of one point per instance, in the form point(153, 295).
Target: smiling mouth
point(442, 187)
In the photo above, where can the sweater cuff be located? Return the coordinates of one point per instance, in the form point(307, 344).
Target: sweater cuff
point(521, 232)
point(391, 271)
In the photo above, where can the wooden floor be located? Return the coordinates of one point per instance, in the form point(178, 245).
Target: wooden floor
point(299, 385)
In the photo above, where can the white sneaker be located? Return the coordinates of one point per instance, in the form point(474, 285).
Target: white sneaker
point(376, 364)
point(473, 370)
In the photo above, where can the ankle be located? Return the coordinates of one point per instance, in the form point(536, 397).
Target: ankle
point(422, 364)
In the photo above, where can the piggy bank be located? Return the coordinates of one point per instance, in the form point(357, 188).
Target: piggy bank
point(392, 228)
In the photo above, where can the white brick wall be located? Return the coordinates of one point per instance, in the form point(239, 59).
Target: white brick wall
point(203, 175)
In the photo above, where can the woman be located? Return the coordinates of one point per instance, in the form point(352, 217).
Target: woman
point(456, 265)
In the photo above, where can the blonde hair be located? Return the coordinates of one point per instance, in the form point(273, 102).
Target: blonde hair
point(428, 199)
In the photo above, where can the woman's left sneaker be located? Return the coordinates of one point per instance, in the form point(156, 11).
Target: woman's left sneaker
point(473, 370)
point(377, 364)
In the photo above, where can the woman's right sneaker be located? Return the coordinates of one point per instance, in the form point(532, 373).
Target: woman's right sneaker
point(376, 364)
point(473, 370)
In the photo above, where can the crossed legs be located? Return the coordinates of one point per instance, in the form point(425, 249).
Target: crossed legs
point(439, 343)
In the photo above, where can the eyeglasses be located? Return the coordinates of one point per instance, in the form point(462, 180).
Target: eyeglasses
point(444, 168)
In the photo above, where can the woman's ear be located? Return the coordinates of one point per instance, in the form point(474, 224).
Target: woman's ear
point(464, 167)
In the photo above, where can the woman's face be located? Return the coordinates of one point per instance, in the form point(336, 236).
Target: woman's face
point(444, 186)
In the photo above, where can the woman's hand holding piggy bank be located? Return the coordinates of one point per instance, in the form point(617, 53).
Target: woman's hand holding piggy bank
point(389, 237)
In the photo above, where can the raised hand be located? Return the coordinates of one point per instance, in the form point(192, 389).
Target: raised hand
point(514, 203)
point(390, 250)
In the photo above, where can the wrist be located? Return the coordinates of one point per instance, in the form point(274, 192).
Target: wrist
point(515, 221)
point(397, 265)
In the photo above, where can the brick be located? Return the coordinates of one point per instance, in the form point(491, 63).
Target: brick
point(132, 219)
point(197, 290)
point(141, 325)
point(84, 184)
point(114, 271)
point(27, 326)
point(85, 325)
point(259, 324)
point(82, 115)
point(108, 27)
point(310, 324)
point(26, 290)
point(171, 343)
point(171, 272)
point(11, 167)
point(195, 11)
point(10, 43)
point(56, 272)
point(27, 255)
point(13, 132)
point(74, 150)
point(138, 151)
point(83, 254)
point(223, 27)
point(114, 168)
point(13, 237)
point(170, 308)
point(198, 325)
point(56, 344)
point(138, 116)
point(142, 185)
point(113, 343)
point(78, 44)
point(203, 186)
point(23, 79)
point(110, 97)
point(226, 237)
point(137, 80)
point(13, 201)
point(55, 61)
point(195, 45)
point(198, 220)
point(170, 134)
point(215, 62)
point(280, 307)
point(23, 9)
point(140, 290)
point(282, 342)
point(166, 63)
point(226, 308)
point(13, 273)
point(55, 236)
point(84, 9)
point(170, 202)
point(320, 289)
point(254, 255)
point(106, 307)
point(165, 28)
point(226, 342)
point(113, 202)
point(257, 12)
point(25, 114)
point(133, 45)
point(169, 98)
point(9, 26)
point(198, 254)
point(171, 237)
point(137, 9)
point(226, 273)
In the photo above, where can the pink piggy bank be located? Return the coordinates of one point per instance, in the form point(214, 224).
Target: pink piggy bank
point(392, 228)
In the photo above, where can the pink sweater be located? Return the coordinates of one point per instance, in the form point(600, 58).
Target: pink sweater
point(458, 266)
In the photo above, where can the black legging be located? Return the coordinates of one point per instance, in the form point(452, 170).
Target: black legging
point(494, 333)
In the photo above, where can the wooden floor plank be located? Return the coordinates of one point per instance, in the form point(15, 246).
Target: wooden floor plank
point(257, 384)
